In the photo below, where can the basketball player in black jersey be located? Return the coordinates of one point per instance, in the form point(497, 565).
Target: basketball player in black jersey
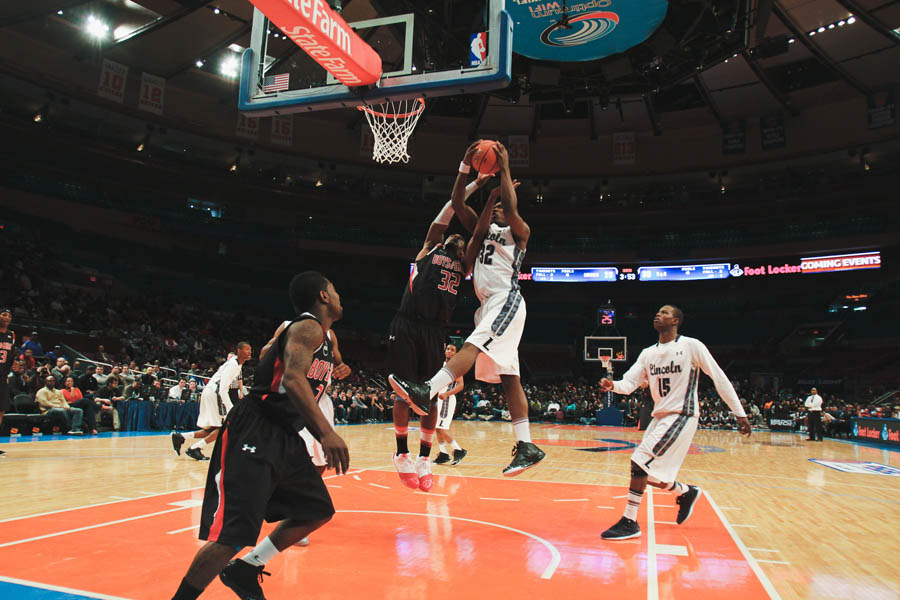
point(260, 468)
point(416, 337)
point(7, 341)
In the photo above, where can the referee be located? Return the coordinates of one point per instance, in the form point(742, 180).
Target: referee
point(813, 406)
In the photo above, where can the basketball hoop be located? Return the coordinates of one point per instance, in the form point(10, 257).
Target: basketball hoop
point(605, 361)
point(391, 127)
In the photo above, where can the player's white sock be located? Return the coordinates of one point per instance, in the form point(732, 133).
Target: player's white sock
point(634, 503)
point(678, 488)
point(523, 434)
point(187, 435)
point(263, 553)
point(441, 380)
point(455, 445)
point(199, 444)
point(443, 447)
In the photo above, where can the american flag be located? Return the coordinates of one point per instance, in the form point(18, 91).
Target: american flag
point(276, 83)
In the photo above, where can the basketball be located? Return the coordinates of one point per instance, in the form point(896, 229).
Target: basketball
point(485, 158)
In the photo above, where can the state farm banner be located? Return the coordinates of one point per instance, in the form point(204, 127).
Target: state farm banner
point(283, 130)
point(624, 148)
point(153, 90)
point(247, 127)
point(113, 76)
point(325, 36)
point(519, 151)
point(771, 132)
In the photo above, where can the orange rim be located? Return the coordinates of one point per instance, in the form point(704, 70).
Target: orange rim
point(421, 107)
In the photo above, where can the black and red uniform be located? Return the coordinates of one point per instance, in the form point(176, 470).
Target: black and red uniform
point(260, 468)
point(416, 339)
point(7, 342)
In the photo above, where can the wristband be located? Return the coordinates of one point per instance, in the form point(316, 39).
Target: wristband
point(464, 168)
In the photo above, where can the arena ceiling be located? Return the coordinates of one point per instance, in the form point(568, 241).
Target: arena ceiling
point(702, 56)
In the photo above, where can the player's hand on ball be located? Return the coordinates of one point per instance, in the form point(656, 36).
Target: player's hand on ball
point(606, 384)
point(744, 426)
point(502, 156)
point(336, 453)
point(470, 152)
point(341, 371)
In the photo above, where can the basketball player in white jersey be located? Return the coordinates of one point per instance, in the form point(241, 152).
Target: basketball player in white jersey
point(215, 403)
point(672, 368)
point(495, 252)
point(341, 370)
point(446, 406)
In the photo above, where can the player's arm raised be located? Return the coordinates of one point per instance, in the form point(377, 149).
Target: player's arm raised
point(465, 213)
point(439, 226)
point(481, 229)
point(302, 341)
point(341, 370)
point(520, 229)
point(708, 365)
point(274, 339)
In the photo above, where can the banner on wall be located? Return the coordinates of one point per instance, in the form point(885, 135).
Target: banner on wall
point(882, 111)
point(153, 91)
point(734, 137)
point(113, 76)
point(283, 130)
point(771, 132)
point(519, 151)
point(247, 127)
point(624, 148)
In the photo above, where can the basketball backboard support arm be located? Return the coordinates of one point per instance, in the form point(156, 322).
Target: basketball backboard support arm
point(494, 73)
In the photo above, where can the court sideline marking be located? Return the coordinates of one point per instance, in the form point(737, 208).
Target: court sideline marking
point(652, 577)
point(56, 588)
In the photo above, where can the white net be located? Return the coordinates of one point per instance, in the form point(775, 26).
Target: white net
point(392, 124)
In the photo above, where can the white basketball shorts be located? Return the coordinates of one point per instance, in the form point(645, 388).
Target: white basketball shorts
point(213, 407)
point(446, 408)
point(312, 444)
point(666, 442)
point(499, 323)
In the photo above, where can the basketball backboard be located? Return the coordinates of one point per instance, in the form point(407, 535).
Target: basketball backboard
point(422, 56)
point(597, 346)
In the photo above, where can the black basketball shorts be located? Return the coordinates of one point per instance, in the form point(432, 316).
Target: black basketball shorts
point(259, 470)
point(415, 349)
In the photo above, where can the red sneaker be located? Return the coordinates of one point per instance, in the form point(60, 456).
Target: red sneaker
point(406, 470)
point(423, 470)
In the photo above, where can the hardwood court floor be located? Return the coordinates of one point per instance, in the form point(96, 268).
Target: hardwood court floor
point(115, 518)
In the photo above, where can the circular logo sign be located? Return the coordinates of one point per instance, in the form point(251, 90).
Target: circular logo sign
point(590, 29)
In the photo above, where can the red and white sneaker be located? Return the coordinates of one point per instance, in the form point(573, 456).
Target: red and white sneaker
point(423, 470)
point(406, 470)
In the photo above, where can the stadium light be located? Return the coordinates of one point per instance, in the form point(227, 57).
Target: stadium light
point(96, 28)
point(229, 66)
point(199, 63)
point(851, 20)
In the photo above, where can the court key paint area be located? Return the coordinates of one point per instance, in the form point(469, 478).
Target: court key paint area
point(472, 538)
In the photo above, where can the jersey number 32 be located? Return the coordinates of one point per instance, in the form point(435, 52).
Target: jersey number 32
point(486, 252)
point(449, 281)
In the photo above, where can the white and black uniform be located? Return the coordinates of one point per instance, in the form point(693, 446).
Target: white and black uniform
point(446, 408)
point(313, 446)
point(672, 371)
point(215, 402)
point(500, 320)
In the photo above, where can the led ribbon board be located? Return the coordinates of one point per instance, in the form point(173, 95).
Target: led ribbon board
point(326, 37)
point(592, 29)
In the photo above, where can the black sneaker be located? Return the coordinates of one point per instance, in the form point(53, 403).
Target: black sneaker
point(177, 442)
point(525, 456)
point(458, 455)
point(625, 529)
point(244, 579)
point(196, 454)
point(686, 503)
point(442, 458)
point(417, 395)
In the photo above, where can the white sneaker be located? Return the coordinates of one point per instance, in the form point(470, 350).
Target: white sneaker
point(423, 470)
point(303, 542)
point(406, 470)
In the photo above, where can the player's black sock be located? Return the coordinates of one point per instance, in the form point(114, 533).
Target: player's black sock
point(426, 438)
point(186, 592)
point(402, 445)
